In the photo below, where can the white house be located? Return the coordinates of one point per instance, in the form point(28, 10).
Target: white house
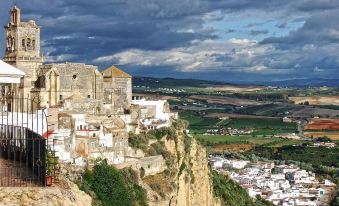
point(154, 114)
point(235, 164)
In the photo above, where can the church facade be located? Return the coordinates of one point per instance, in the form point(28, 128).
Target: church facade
point(55, 84)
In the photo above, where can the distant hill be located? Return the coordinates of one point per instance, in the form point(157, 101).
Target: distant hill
point(172, 82)
point(313, 82)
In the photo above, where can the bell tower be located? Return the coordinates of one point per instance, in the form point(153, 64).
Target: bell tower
point(15, 15)
point(23, 48)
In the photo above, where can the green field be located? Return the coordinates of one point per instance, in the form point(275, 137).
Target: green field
point(198, 124)
point(246, 139)
point(272, 110)
point(241, 139)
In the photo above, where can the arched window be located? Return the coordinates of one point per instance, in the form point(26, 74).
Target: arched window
point(28, 43)
point(13, 44)
point(14, 17)
point(8, 43)
point(33, 44)
point(23, 43)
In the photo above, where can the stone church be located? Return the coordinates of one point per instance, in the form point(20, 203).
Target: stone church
point(57, 84)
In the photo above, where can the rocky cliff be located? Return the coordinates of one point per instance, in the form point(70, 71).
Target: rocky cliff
point(62, 194)
point(186, 182)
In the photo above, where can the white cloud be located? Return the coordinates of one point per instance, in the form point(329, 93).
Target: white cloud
point(232, 55)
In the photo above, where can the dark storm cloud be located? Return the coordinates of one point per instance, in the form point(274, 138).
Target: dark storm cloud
point(94, 28)
point(319, 29)
point(85, 31)
point(314, 46)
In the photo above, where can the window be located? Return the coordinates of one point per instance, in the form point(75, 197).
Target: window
point(33, 44)
point(60, 97)
point(13, 43)
point(88, 96)
point(28, 43)
point(74, 76)
point(23, 43)
point(8, 42)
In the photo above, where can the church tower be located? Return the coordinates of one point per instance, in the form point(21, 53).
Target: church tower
point(23, 49)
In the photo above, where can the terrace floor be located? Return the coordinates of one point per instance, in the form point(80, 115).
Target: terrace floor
point(14, 174)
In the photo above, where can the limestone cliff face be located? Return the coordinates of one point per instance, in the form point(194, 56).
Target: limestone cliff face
point(65, 193)
point(192, 183)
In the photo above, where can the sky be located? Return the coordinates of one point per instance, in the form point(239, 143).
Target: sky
point(223, 40)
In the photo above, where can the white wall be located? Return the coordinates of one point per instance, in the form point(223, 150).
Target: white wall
point(36, 122)
point(159, 107)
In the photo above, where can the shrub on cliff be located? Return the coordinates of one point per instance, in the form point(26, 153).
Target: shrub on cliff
point(112, 186)
point(138, 141)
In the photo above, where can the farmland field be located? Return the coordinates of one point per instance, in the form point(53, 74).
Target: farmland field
point(199, 123)
point(234, 88)
point(225, 139)
point(309, 112)
point(323, 124)
point(222, 114)
point(224, 100)
point(236, 147)
point(316, 100)
point(270, 109)
point(331, 135)
point(260, 123)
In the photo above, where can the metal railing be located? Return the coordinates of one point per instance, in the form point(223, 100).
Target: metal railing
point(25, 157)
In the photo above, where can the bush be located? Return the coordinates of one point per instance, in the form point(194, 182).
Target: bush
point(162, 132)
point(113, 187)
point(138, 141)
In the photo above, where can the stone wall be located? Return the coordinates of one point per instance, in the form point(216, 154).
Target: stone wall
point(74, 81)
point(64, 193)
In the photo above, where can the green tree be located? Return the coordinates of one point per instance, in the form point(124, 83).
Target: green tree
point(109, 186)
point(113, 187)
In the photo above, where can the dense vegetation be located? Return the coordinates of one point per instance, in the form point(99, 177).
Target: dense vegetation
point(140, 141)
point(231, 194)
point(262, 96)
point(110, 186)
point(313, 155)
